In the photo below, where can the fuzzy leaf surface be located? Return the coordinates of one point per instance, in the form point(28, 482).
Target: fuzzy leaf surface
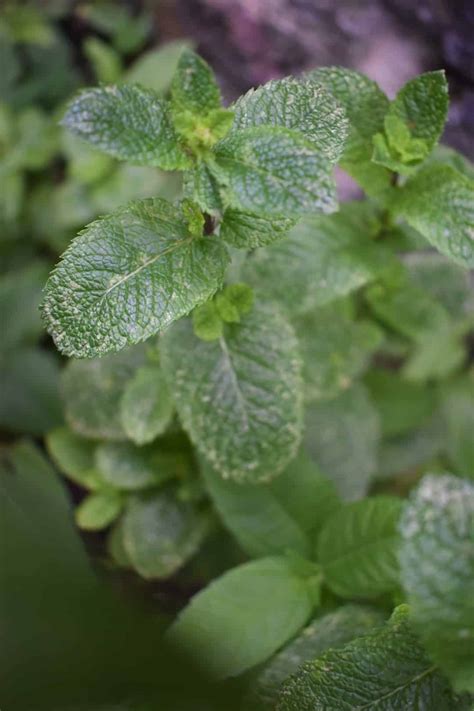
point(439, 202)
point(437, 572)
point(146, 406)
point(194, 87)
point(240, 397)
point(246, 230)
point(387, 670)
point(303, 107)
point(128, 122)
point(275, 171)
point(128, 276)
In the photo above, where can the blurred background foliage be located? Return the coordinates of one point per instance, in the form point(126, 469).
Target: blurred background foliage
point(83, 631)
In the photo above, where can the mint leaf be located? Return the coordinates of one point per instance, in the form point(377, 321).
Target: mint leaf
point(225, 389)
point(406, 453)
point(446, 281)
point(402, 405)
point(116, 547)
point(335, 350)
point(128, 122)
point(357, 548)
point(92, 390)
point(160, 533)
point(243, 617)
point(439, 202)
point(365, 106)
point(385, 669)
point(303, 107)
point(437, 572)
point(422, 106)
point(146, 406)
point(20, 296)
point(98, 510)
point(194, 87)
point(246, 230)
point(436, 355)
point(328, 632)
point(155, 69)
point(274, 171)
point(128, 276)
point(125, 466)
point(322, 259)
point(201, 186)
point(74, 456)
point(458, 417)
point(342, 436)
point(278, 516)
point(207, 323)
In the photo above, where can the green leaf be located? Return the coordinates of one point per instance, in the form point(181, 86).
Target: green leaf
point(74, 456)
point(246, 230)
point(365, 106)
point(437, 570)
point(155, 68)
point(146, 406)
point(194, 87)
point(328, 632)
point(239, 398)
point(128, 276)
point(201, 186)
point(303, 107)
point(386, 669)
point(402, 405)
point(458, 416)
point(104, 60)
point(439, 202)
point(92, 390)
point(240, 296)
point(207, 322)
point(437, 355)
point(406, 453)
point(342, 436)
point(160, 533)
point(98, 510)
point(407, 308)
point(128, 122)
point(29, 387)
point(243, 617)
point(323, 258)
point(335, 350)
point(20, 296)
point(280, 516)
point(125, 466)
point(274, 171)
point(116, 546)
point(422, 106)
point(357, 548)
point(446, 281)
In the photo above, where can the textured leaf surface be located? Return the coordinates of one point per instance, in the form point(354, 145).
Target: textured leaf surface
point(458, 416)
point(437, 569)
point(422, 104)
point(74, 456)
point(246, 230)
point(322, 259)
point(92, 390)
point(125, 466)
point(304, 107)
point(335, 350)
point(357, 548)
point(342, 437)
point(446, 281)
point(201, 186)
point(128, 276)
point(194, 87)
point(128, 122)
point(275, 171)
point(269, 519)
point(365, 106)
point(146, 406)
point(239, 398)
point(161, 533)
point(385, 670)
point(439, 202)
point(243, 617)
point(328, 632)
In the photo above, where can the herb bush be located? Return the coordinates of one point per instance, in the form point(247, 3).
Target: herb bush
point(305, 384)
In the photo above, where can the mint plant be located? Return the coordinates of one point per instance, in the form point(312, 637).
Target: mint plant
point(306, 364)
